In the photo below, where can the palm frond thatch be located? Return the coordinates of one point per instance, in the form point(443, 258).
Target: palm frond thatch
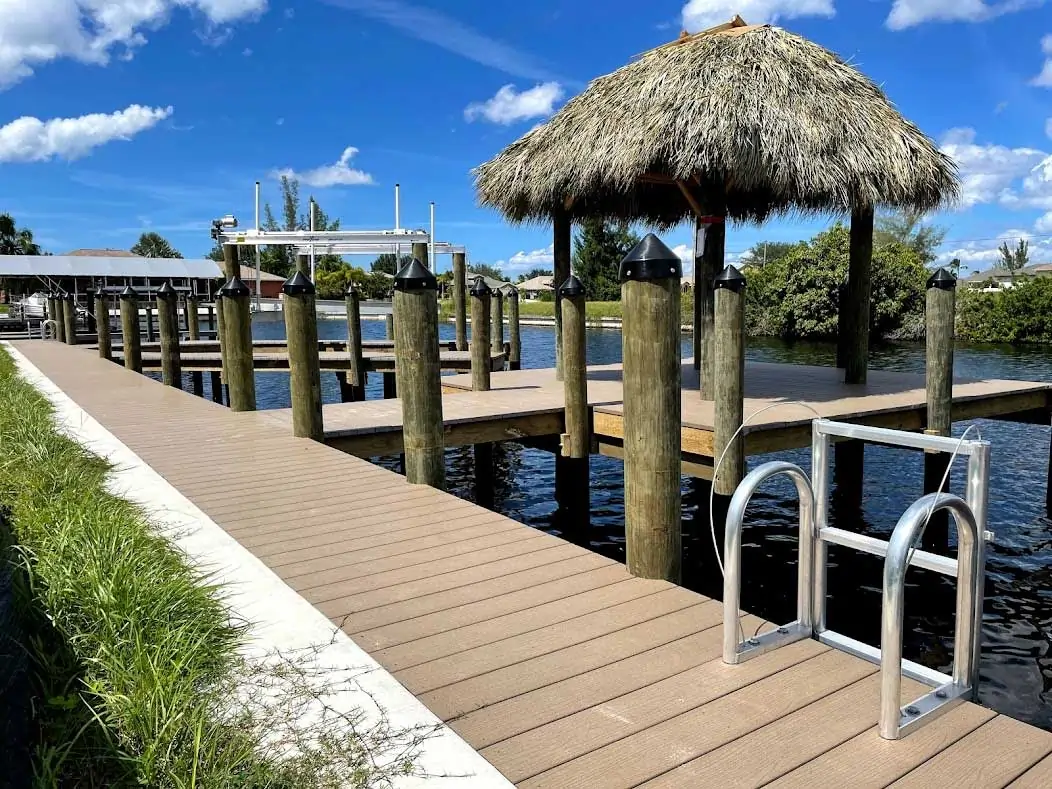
point(781, 123)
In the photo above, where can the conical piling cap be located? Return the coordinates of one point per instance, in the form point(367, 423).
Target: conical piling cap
point(650, 259)
point(479, 287)
point(129, 292)
point(298, 284)
point(510, 291)
point(414, 275)
point(730, 279)
point(352, 288)
point(942, 279)
point(234, 288)
point(166, 292)
point(572, 287)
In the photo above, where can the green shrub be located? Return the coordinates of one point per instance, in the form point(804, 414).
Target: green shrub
point(1018, 314)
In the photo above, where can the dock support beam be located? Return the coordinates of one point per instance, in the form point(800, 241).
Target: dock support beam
point(102, 326)
point(460, 295)
point(650, 294)
point(729, 443)
point(941, 303)
point(419, 375)
point(69, 318)
point(496, 314)
point(356, 375)
point(571, 467)
point(480, 355)
point(855, 351)
point(130, 338)
point(301, 331)
point(168, 323)
point(562, 240)
point(241, 375)
point(514, 335)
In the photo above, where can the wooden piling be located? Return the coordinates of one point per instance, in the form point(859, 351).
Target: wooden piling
point(69, 318)
point(301, 332)
point(89, 308)
point(572, 473)
point(240, 375)
point(102, 326)
point(215, 382)
point(303, 265)
point(420, 253)
point(712, 259)
point(562, 240)
point(168, 323)
point(650, 296)
point(390, 379)
point(224, 346)
point(480, 318)
point(729, 395)
point(193, 331)
point(356, 374)
point(460, 295)
point(130, 338)
point(150, 335)
point(54, 314)
point(496, 313)
point(940, 312)
point(855, 353)
point(514, 335)
point(419, 374)
point(389, 326)
point(210, 317)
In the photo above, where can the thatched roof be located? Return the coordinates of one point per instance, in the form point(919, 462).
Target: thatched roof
point(782, 123)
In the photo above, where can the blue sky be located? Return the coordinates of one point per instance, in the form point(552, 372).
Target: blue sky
point(130, 115)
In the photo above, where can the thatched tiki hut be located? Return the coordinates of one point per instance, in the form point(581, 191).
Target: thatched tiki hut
point(739, 122)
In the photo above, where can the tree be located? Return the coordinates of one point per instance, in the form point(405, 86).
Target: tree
point(766, 252)
point(533, 272)
point(154, 245)
point(387, 264)
point(485, 270)
point(281, 260)
point(16, 241)
point(906, 226)
point(1015, 259)
point(371, 284)
point(955, 267)
point(597, 252)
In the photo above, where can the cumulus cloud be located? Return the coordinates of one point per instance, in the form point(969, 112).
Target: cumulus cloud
point(509, 105)
point(1044, 224)
point(524, 261)
point(987, 171)
point(339, 174)
point(702, 14)
point(985, 254)
point(1044, 79)
point(91, 31)
point(33, 140)
point(908, 13)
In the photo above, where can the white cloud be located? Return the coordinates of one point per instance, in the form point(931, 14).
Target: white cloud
point(1048, 128)
point(33, 140)
point(524, 261)
point(339, 174)
point(1035, 191)
point(92, 31)
point(508, 105)
point(1044, 224)
point(1044, 79)
point(980, 255)
point(987, 171)
point(908, 13)
point(702, 14)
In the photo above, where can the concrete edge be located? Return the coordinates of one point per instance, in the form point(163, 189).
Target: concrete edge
point(281, 620)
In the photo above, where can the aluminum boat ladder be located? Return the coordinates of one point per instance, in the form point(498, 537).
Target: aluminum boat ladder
point(899, 553)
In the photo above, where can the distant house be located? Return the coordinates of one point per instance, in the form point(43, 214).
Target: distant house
point(269, 284)
point(533, 288)
point(998, 278)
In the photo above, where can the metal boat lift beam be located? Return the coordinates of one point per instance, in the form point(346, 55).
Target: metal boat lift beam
point(305, 238)
point(358, 248)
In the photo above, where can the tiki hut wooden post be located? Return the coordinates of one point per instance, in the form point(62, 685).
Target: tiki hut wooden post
point(301, 331)
point(69, 318)
point(131, 341)
point(855, 352)
point(102, 326)
point(356, 374)
point(562, 242)
point(241, 375)
point(940, 313)
point(496, 332)
point(714, 240)
point(650, 294)
point(168, 326)
point(480, 353)
point(514, 334)
point(460, 295)
point(571, 468)
point(419, 374)
point(729, 394)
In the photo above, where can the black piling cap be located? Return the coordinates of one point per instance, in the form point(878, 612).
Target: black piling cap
point(414, 275)
point(298, 284)
point(166, 292)
point(234, 288)
point(572, 287)
point(730, 279)
point(511, 291)
point(479, 288)
point(943, 280)
point(352, 288)
point(650, 259)
point(129, 292)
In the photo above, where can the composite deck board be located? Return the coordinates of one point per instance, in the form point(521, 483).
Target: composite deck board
point(558, 666)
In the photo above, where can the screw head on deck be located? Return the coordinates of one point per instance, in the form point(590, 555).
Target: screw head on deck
point(729, 279)
point(942, 279)
point(572, 287)
point(650, 259)
point(479, 287)
point(298, 284)
point(167, 293)
point(129, 292)
point(414, 275)
point(234, 288)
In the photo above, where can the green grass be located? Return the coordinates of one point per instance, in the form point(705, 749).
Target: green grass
point(139, 671)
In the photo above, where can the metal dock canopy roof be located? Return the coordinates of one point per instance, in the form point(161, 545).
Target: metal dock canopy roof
point(88, 267)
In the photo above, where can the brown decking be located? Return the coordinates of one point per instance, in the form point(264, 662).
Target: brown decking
point(552, 661)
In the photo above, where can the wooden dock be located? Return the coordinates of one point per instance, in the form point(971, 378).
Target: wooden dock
point(553, 662)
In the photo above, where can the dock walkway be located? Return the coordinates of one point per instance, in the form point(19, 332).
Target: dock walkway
point(557, 666)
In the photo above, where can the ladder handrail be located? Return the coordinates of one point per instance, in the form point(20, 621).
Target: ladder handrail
point(904, 538)
point(733, 651)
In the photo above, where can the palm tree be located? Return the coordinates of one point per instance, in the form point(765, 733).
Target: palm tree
point(14, 241)
point(154, 245)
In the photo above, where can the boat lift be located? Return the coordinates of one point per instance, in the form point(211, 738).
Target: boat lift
point(900, 552)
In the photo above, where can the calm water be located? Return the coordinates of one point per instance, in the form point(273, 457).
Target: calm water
point(1016, 667)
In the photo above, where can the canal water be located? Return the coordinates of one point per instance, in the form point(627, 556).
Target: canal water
point(1016, 667)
